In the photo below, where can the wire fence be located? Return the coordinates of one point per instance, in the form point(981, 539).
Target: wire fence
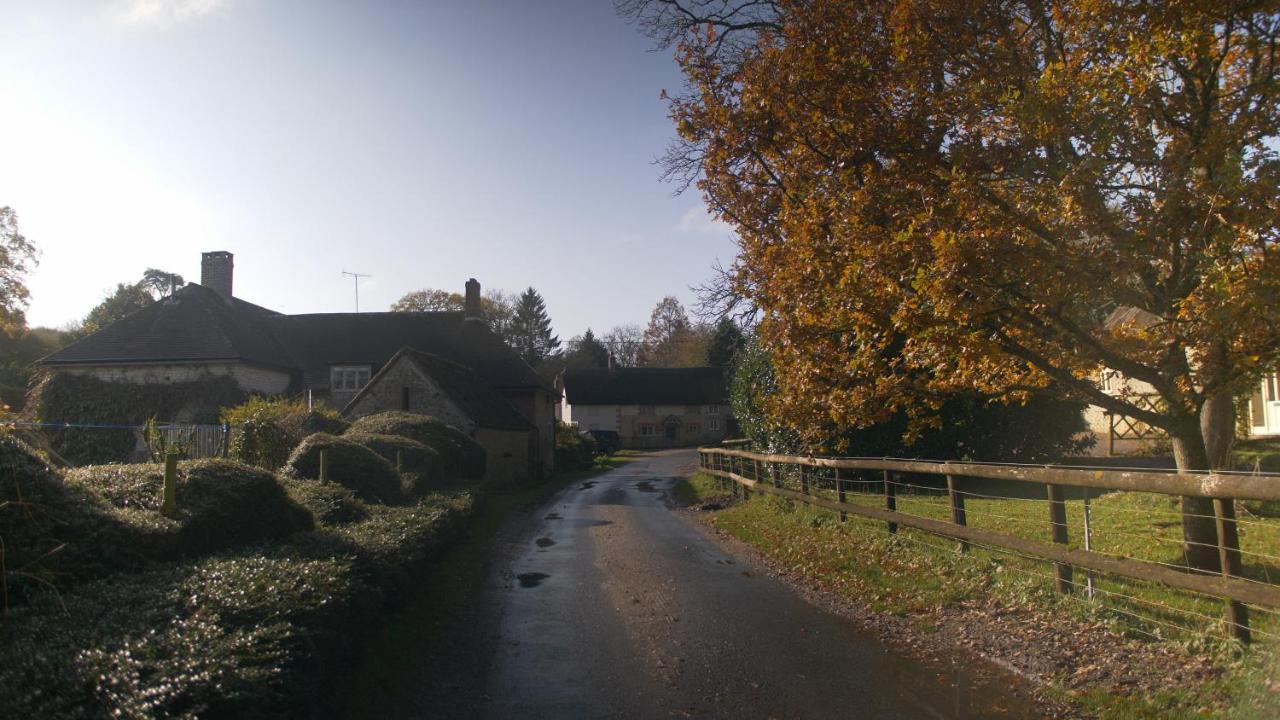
point(1060, 525)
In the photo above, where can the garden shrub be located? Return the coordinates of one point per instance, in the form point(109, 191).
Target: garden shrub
point(220, 504)
point(462, 457)
point(574, 450)
point(351, 464)
point(61, 397)
point(329, 503)
point(391, 545)
point(421, 467)
point(265, 431)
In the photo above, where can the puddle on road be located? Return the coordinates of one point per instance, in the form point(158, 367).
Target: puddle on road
point(544, 542)
point(553, 516)
point(613, 496)
point(531, 580)
point(601, 523)
point(646, 486)
point(588, 485)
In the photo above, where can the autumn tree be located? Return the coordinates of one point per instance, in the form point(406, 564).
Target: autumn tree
point(496, 307)
point(935, 197)
point(625, 343)
point(17, 257)
point(671, 339)
point(530, 333)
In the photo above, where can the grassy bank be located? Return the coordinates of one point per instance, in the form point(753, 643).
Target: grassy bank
point(421, 658)
point(925, 581)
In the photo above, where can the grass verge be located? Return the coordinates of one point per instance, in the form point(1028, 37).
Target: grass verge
point(1138, 652)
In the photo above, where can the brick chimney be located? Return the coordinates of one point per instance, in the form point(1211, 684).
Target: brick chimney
point(216, 270)
point(471, 308)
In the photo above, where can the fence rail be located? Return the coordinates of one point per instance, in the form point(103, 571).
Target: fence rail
point(765, 472)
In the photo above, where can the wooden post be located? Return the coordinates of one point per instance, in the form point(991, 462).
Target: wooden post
point(1111, 434)
point(1058, 521)
point(957, 510)
point(804, 480)
point(169, 500)
point(399, 459)
point(324, 465)
point(775, 475)
point(1224, 511)
point(840, 495)
point(226, 439)
point(890, 499)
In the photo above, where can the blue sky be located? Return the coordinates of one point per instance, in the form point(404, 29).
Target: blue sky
point(419, 142)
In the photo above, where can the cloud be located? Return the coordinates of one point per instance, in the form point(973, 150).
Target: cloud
point(697, 221)
point(164, 12)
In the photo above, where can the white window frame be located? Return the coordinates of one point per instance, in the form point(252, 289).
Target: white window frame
point(692, 428)
point(711, 410)
point(713, 422)
point(344, 378)
point(647, 430)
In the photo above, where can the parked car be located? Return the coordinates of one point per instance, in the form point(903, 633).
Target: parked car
point(608, 442)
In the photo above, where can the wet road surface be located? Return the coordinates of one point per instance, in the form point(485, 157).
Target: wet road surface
point(613, 605)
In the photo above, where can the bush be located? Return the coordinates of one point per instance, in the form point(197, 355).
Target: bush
point(329, 503)
point(574, 450)
point(462, 457)
point(265, 431)
point(351, 465)
point(220, 504)
point(421, 468)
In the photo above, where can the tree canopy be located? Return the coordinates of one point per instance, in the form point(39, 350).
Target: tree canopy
point(670, 339)
point(496, 307)
point(17, 257)
point(530, 332)
point(937, 197)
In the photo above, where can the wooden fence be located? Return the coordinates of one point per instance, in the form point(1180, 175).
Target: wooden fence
point(763, 472)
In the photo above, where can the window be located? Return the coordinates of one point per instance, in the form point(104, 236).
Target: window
point(714, 423)
point(348, 377)
point(693, 428)
point(646, 431)
point(1105, 380)
point(711, 410)
point(646, 410)
point(1271, 388)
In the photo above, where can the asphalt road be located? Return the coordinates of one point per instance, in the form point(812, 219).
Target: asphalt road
point(612, 605)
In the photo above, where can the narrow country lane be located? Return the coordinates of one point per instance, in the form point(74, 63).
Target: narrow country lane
point(614, 606)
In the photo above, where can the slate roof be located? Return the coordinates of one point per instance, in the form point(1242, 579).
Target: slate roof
point(197, 324)
point(480, 402)
point(194, 324)
point(647, 386)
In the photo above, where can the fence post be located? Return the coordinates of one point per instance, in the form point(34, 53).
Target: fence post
point(324, 465)
point(226, 439)
point(169, 500)
point(399, 460)
point(840, 495)
point(1058, 521)
point(1224, 511)
point(957, 509)
point(1088, 543)
point(890, 500)
point(804, 480)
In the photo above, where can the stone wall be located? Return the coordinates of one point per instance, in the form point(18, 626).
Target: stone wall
point(425, 396)
point(508, 454)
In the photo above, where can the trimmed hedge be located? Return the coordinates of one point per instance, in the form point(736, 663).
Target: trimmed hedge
point(351, 465)
point(220, 504)
point(329, 503)
point(421, 467)
point(266, 431)
point(462, 457)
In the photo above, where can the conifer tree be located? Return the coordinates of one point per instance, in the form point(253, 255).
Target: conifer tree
point(530, 330)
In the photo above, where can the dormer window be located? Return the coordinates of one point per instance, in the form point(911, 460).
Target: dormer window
point(348, 377)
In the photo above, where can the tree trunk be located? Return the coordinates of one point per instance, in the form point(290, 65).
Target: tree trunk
point(1199, 529)
point(1218, 428)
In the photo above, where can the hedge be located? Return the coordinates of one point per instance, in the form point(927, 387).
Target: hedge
point(421, 468)
point(351, 465)
point(462, 457)
point(221, 504)
point(266, 431)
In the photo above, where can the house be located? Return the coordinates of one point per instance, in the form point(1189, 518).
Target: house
point(203, 330)
point(421, 382)
point(650, 407)
point(1120, 435)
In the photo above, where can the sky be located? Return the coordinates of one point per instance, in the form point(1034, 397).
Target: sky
point(418, 142)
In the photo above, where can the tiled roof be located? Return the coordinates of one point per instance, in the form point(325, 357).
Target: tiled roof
point(481, 403)
point(194, 324)
point(199, 325)
point(646, 386)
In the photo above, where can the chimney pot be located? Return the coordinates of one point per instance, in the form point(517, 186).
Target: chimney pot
point(216, 270)
point(471, 308)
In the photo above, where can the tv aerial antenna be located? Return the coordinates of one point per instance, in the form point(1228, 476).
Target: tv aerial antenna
point(355, 277)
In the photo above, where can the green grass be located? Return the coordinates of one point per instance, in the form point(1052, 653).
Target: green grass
point(1260, 453)
point(912, 572)
point(388, 680)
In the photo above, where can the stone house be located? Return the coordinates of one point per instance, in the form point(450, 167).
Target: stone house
point(650, 407)
point(203, 330)
point(415, 381)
